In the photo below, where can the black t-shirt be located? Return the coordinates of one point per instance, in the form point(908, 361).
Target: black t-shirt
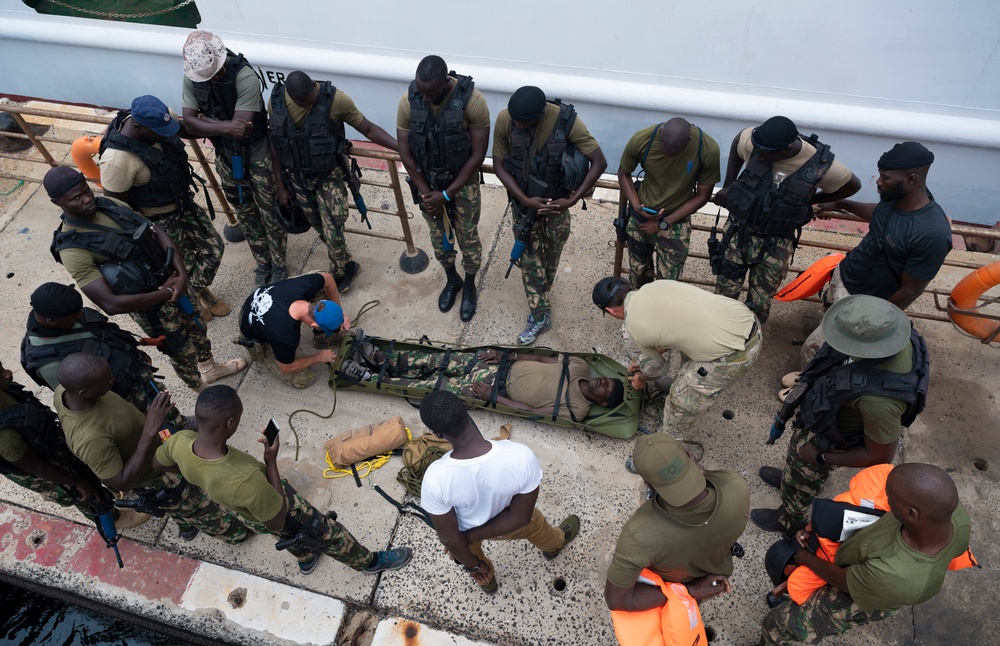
point(915, 242)
point(265, 314)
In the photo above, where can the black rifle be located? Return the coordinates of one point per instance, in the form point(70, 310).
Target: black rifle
point(525, 222)
point(105, 521)
point(352, 174)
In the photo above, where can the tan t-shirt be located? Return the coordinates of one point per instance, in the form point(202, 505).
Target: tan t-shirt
point(121, 170)
point(477, 113)
point(106, 436)
point(534, 383)
point(836, 176)
point(669, 182)
point(342, 109)
point(671, 315)
point(579, 136)
point(81, 264)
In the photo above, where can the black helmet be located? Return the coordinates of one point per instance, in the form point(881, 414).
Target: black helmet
point(291, 218)
point(779, 556)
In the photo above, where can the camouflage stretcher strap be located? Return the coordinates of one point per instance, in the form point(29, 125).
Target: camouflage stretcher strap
point(563, 380)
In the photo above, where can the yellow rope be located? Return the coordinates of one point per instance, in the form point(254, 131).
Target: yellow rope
point(333, 471)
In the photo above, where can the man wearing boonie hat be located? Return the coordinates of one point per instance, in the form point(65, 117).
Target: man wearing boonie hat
point(871, 346)
point(685, 533)
point(222, 100)
point(907, 240)
point(271, 321)
point(144, 163)
point(532, 140)
point(768, 204)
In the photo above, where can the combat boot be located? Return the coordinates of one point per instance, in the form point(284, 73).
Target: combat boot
point(450, 291)
point(213, 303)
point(468, 308)
point(212, 371)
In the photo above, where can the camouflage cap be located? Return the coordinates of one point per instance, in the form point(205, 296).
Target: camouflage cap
point(204, 55)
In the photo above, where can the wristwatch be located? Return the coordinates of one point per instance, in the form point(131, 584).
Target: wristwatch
point(664, 225)
point(470, 570)
point(821, 459)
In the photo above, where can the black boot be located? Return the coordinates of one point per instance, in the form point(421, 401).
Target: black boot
point(450, 291)
point(468, 309)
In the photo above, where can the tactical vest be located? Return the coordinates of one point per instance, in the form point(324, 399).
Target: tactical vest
point(547, 165)
point(35, 422)
point(217, 99)
point(312, 148)
point(170, 181)
point(831, 384)
point(120, 348)
point(136, 272)
point(753, 202)
point(440, 146)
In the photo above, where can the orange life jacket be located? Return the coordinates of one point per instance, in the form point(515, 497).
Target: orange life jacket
point(676, 623)
point(810, 281)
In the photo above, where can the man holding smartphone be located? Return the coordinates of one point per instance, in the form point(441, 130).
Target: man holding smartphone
point(257, 492)
point(680, 165)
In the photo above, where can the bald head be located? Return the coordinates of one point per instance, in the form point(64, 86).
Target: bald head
point(925, 488)
point(674, 136)
point(79, 371)
point(216, 404)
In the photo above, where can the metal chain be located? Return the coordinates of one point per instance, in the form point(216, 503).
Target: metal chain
point(107, 14)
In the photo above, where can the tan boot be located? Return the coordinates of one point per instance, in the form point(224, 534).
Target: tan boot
point(202, 310)
point(213, 303)
point(212, 371)
point(790, 379)
point(129, 518)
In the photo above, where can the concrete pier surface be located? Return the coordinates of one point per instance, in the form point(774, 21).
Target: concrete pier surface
point(253, 594)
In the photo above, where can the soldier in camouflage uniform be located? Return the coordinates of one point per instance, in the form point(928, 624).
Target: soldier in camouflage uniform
point(263, 498)
point(680, 165)
point(828, 612)
point(256, 211)
point(531, 140)
point(766, 259)
point(307, 117)
point(720, 338)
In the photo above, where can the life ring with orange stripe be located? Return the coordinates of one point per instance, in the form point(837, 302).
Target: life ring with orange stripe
point(83, 151)
point(964, 297)
point(810, 281)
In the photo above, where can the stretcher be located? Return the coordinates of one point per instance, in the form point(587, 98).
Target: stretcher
point(621, 421)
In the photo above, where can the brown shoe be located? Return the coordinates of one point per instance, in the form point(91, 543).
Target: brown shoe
point(129, 518)
point(213, 303)
point(790, 379)
point(212, 371)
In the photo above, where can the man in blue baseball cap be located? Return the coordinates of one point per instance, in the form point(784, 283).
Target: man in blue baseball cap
point(271, 318)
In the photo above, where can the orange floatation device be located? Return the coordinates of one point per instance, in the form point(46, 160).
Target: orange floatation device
point(676, 623)
point(810, 281)
point(83, 151)
point(962, 303)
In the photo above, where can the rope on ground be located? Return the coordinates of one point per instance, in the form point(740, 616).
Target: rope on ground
point(333, 384)
point(19, 184)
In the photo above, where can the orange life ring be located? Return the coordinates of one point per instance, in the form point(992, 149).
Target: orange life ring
point(965, 296)
point(810, 281)
point(83, 151)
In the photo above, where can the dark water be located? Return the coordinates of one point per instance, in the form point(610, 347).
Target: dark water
point(27, 618)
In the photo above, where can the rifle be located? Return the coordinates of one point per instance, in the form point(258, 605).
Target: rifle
point(525, 223)
point(352, 174)
point(715, 252)
point(447, 244)
point(164, 260)
point(105, 522)
point(785, 412)
point(621, 226)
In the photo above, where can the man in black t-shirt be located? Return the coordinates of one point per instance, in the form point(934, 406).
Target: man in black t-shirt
point(272, 317)
point(907, 241)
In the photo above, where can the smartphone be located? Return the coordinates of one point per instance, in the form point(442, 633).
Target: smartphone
point(271, 432)
point(649, 210)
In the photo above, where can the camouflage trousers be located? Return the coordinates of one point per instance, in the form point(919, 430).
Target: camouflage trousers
point(766, 259)
point(186, 342)
point(199, 244)
point(51, 491)
point(540, 260)
point(670, 247)
point(324, 204)
point(422, 369)
point(699, 382)
point(464, 218)
point(265, 236)
point(827, 612)
point(334, 539)
point(191, 508)
point(801, 482)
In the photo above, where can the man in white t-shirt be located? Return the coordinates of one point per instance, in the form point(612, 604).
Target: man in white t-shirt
point(483, 489)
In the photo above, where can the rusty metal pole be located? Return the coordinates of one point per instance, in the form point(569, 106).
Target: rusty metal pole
point(213, 182)
point(26, 129)
point(413, 260)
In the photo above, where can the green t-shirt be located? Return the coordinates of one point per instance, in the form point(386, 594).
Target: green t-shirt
point(884, 573)
point(47, 372)
point(534, 383)
point(12, 444)
point(248, 99)
point(342, 109)
point(476, 115)
point(106, 436)
point(237, 481)
point(669, 182)
point(684, 544)
point(876, 416)
point(80, 263)
point(579, 136)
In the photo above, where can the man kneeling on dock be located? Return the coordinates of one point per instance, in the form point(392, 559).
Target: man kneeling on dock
point(257, 492)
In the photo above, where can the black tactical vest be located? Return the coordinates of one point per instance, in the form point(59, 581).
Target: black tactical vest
point(170, 181)
point(35, 422)
point(120, 348)
point(831, 383)
point(217, 99)
point(547, 165)
point(312, 148)
point(753, 202)
point(440, 146)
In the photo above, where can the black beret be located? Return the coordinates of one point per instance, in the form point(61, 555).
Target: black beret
point(60, 179)
point(526, 104)
point(55, 301)
point(775, 133)
point(905, 156)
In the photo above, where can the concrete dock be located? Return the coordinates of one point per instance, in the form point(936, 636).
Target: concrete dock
point(252, 594)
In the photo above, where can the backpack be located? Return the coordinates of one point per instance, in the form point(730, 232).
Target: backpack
point(418, 454)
